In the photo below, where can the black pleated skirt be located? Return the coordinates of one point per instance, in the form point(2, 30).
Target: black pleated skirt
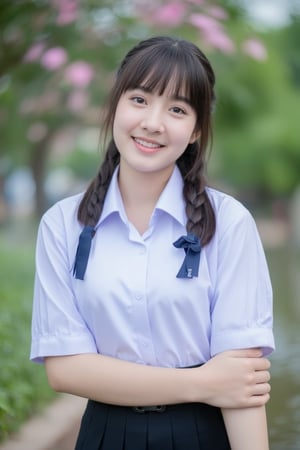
point(191, 426)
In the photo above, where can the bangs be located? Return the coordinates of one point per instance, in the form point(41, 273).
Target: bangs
point(164, 65)
point(165, 69)
point(160, 78)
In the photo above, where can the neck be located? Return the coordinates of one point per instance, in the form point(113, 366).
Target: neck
point(139, 187)
point(140, 192)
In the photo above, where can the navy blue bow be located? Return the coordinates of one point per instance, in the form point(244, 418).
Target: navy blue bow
point(192, 247)
point(83, 252)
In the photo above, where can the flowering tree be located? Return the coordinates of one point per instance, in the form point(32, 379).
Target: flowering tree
point(209, 20)
point(57, 58)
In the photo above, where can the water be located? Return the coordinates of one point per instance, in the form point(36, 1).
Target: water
point(284, 407)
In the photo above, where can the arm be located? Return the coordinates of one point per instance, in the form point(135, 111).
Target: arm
point(247, 428)
point(231, 379)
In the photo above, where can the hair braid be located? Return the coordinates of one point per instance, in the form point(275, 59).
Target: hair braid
point(90, 207)
point(200, 214)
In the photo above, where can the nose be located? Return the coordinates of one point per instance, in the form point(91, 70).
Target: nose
point(153, 121)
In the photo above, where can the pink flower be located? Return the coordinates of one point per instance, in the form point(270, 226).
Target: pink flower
point(218, 13)
point(79, 74)
point(219, 40)
point(54, 58)
point(67, 11)
point(34, 53)
point(213, 32)
point(203, 22)
point(64, 18)
point(170, 14)
point(255, 49)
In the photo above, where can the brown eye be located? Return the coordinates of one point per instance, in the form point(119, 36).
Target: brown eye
point(138, 100)
point(178, 110)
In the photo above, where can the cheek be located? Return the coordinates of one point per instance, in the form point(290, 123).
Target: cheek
point(119, 123)
point(194, 135)
point(185, 135)
point(124, 120)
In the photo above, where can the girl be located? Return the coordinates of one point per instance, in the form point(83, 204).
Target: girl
point(160, 312)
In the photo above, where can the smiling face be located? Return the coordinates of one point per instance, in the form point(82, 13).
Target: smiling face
point(152, 130)
point(161, 101)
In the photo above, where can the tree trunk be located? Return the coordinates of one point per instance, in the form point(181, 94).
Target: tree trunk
point(38, 165)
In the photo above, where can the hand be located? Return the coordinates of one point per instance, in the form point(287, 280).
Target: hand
point(237, 379)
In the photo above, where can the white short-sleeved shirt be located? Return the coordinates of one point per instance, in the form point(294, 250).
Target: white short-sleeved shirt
point(130, 304)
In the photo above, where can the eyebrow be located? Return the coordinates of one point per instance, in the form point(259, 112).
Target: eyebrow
point(180, 98)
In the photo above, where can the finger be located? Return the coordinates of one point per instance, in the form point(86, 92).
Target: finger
point(259, 400)
point(262, 376)
point(261, 364)
point(261, 389)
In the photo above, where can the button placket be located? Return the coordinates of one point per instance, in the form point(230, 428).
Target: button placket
point(139, 296)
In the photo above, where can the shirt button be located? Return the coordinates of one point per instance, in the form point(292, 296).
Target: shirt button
point(142, 251)
point(138, 296)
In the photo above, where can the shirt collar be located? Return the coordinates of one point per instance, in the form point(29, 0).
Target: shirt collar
point(170, 201)
point(113, 202)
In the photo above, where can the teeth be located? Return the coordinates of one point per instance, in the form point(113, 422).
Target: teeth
point(147, 144)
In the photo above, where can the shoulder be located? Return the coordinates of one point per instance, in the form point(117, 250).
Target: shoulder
point(222, 201)
point(63, 214)
point(236, 240)
point(229, 211)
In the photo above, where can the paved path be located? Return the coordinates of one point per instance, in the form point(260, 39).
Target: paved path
point(54, 429)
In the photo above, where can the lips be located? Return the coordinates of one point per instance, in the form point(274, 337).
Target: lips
point(151, 145)
point(146, 145)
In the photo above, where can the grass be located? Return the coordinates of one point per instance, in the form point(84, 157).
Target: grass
point(23, 386)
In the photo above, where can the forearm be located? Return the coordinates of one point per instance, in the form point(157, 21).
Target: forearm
point(231, 379)
point(114, 381)
point(247, 428)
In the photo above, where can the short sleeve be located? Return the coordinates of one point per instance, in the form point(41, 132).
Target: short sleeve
point(57, 326)
point(242, 311)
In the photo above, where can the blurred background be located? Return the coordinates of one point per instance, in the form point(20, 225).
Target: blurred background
point(57, 62)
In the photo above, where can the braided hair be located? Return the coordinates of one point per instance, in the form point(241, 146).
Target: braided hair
point(153, 63)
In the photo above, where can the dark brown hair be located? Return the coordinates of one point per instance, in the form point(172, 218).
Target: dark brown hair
point(153, 63)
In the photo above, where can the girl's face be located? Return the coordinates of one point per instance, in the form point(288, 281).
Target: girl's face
point(151, 131)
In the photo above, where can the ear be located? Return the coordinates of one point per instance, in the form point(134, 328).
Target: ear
point(195, 136)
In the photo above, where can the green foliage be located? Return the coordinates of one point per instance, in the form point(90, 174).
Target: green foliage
point(24, 389)
point(288, 45)
point(256, 144)
point(257, 138)
point(30, 94)
point(15, 34)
